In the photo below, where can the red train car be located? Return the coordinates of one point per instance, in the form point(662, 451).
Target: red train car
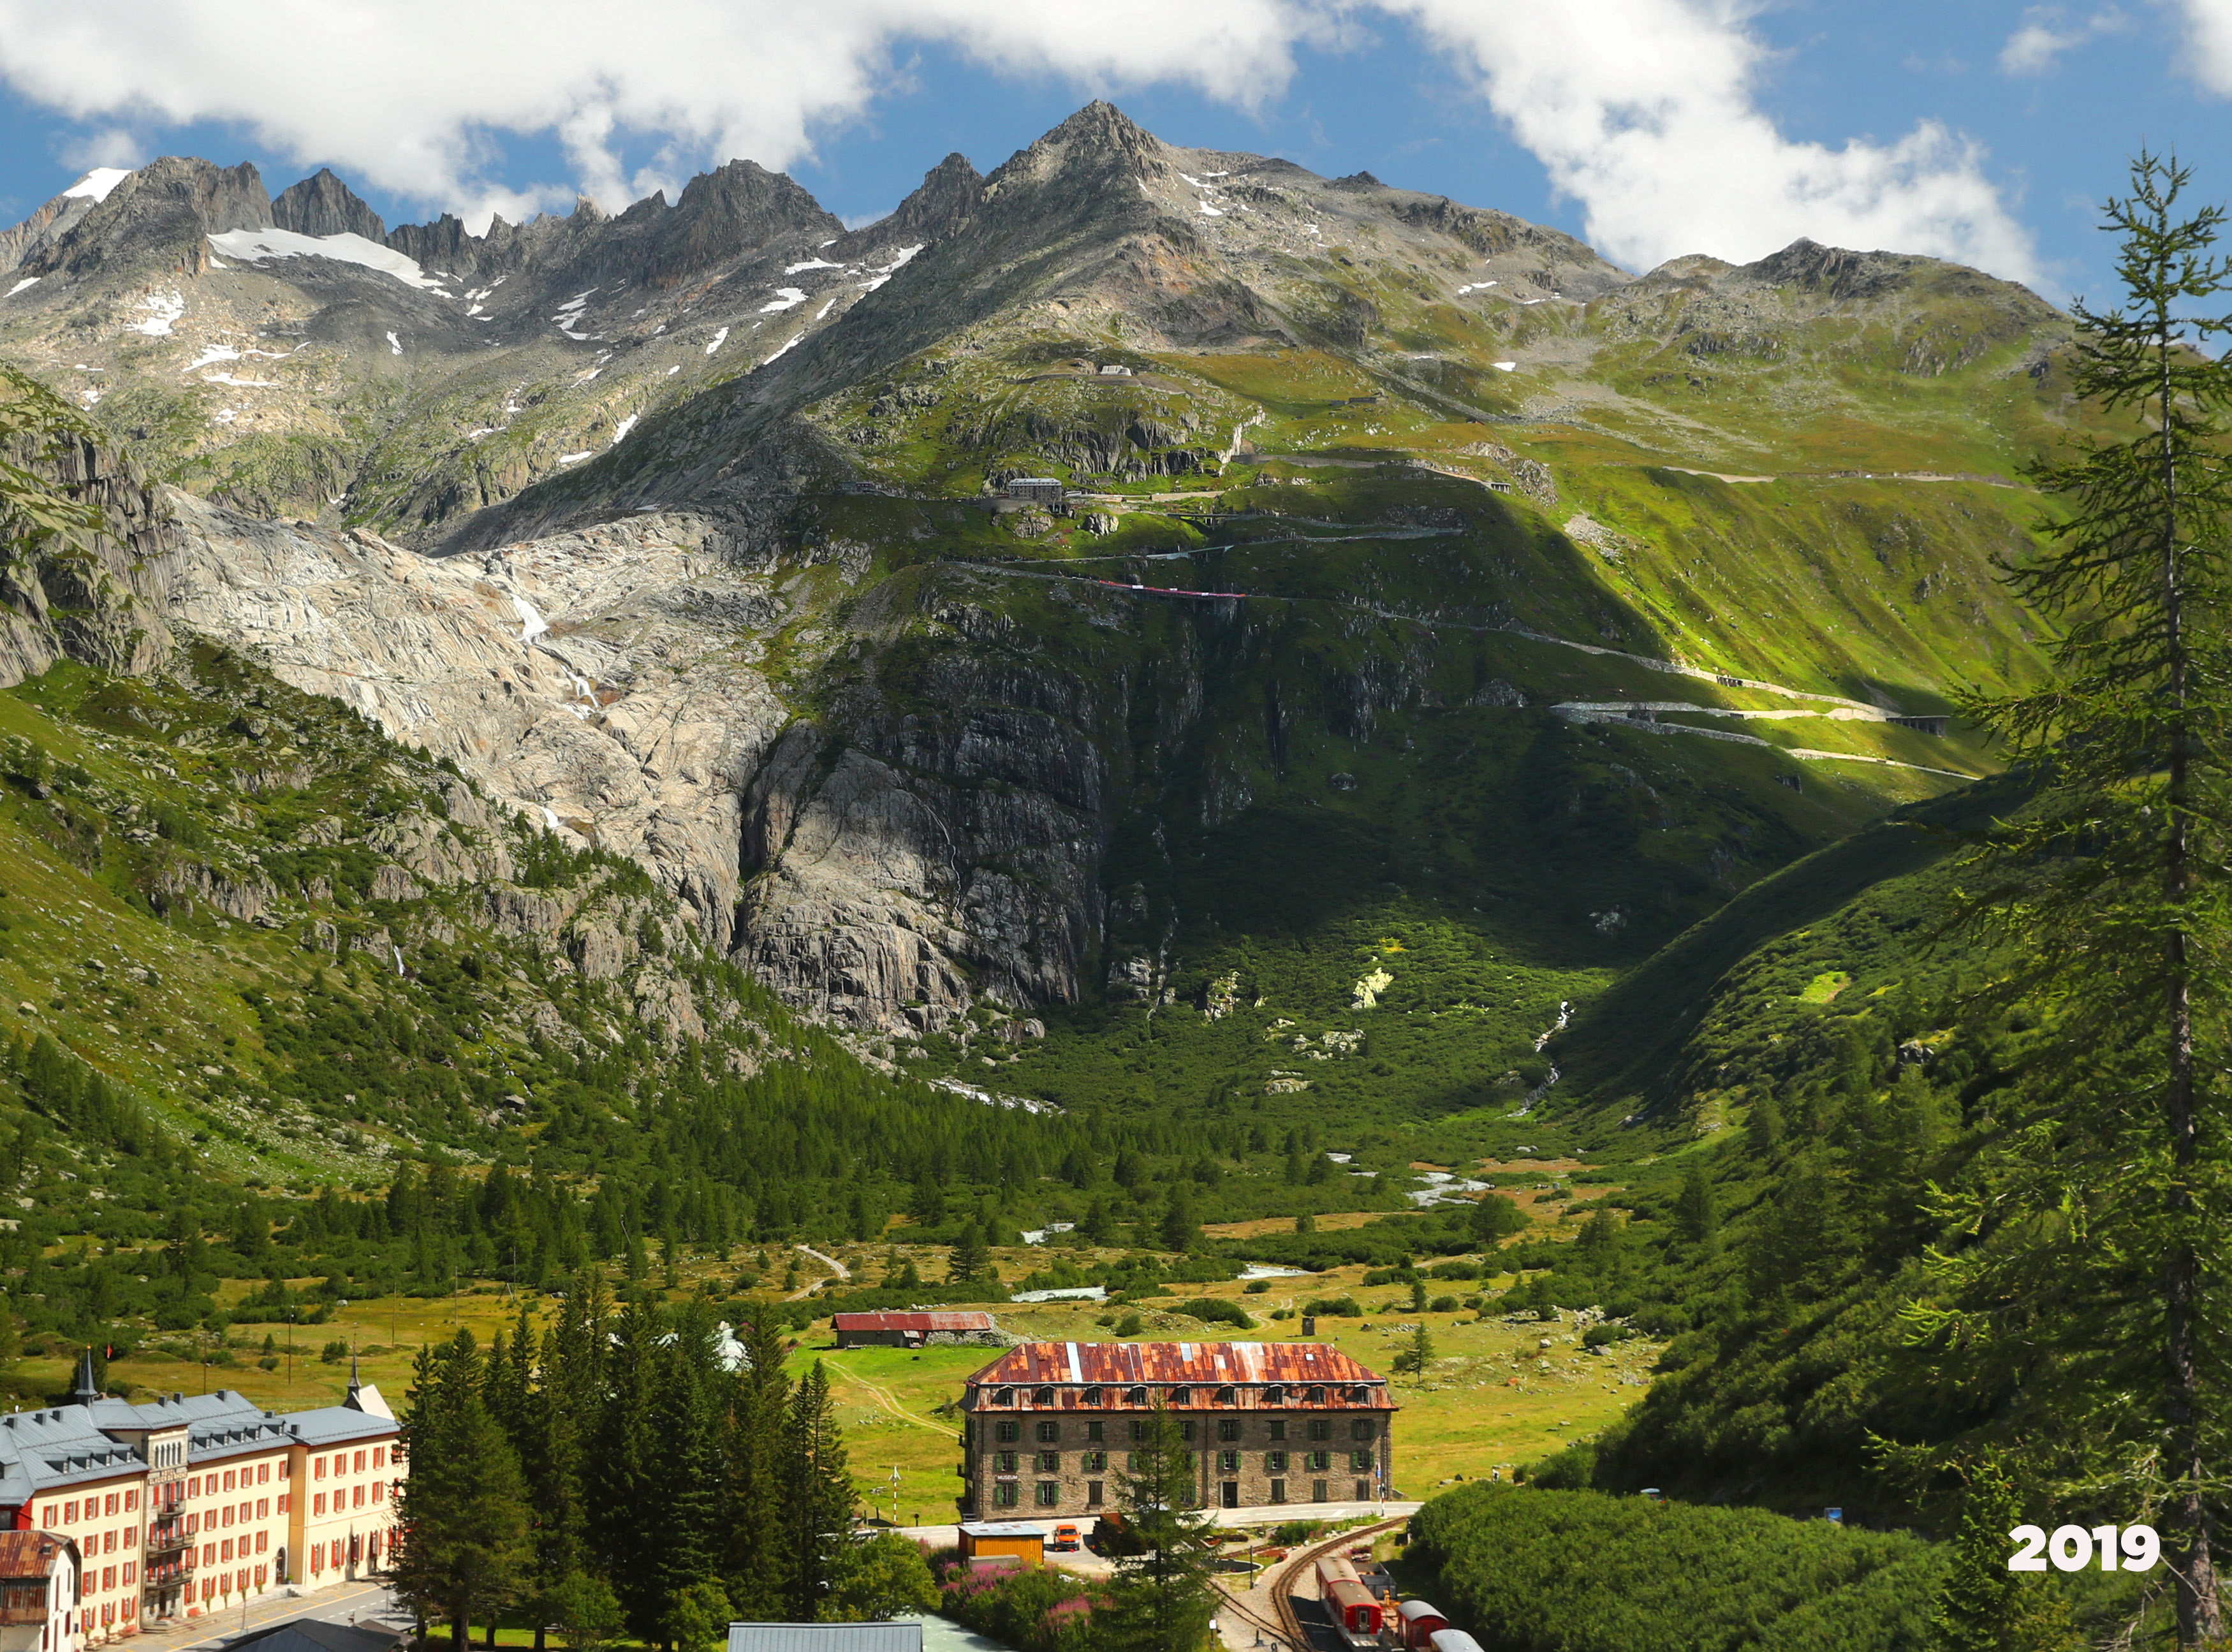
point(1352, 1604)
point(1420, 1622)
point(1332, 1569)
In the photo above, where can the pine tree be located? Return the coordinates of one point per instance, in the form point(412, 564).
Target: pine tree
point(1162, 1595)
point(2107, 1194)
point(756, 1561)
point(461, 1544)
point(969, 1258)
point(1181, 1231)
point(818, 1511)
point(1418, 1354)
point(1983, 1606)
point(1695, 1217)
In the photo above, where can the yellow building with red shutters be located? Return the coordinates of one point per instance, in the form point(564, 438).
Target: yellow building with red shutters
point(193, 1504)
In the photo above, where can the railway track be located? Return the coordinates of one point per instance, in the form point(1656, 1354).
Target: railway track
point(1283, 1622)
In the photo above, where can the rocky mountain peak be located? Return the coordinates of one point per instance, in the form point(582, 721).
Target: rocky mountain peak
point(166, 208)
point(1097, 141)
point(321, 205)
point(948, 197)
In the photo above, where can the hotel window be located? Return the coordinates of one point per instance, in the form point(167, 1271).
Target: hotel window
point(1275, 1462)
point(1320, 1430)
point(380, 1456)
point(1186, 1430)
point(1363, 1428)
point(1316, 1396)
point(1004, 1493)
point(1050, 1462)
point(1006, 1430)
point(228, 1479)
point(378, 1490)
point(1278, 1491)
point(1048, 1433)
point(318, 1504)
point(1095, 1492)
point(1278, 1427)
point(131, 1501)
point(262, 1507)
point(317, 1467)
point(1318, 1491)
point(1093, 1431)
point(1049, 1493)
point(1320, 1460)
point(1135, 1397)
point(360, 1462)
point(1362, 1460)
point(1181, 1397)
point(1003, 1462)
point(1138, 1429)
point(1228, 1428)
point(1275, 1395)
point(1042, 1396)
point(1228, 1463)
point(1228, 1396)
point(114, 1503)
point(263, 1541)
point(1003, 1396)
point(356, 1498)
point(1095, 1463)
point(1093, 1397)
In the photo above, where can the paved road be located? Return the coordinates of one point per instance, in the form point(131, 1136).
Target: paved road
point(364, 1601)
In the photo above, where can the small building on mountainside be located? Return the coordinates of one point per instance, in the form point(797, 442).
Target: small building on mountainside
point(1046, 1425)
point(907, 1329)
point(996, 1539)
point(38, 1592)
point(193, 1504)
point(1038, 490)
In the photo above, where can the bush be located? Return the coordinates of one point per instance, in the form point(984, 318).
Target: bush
point(1442, 1305)
point(1258, 1288)
point(1333, 1307)
point(1217, 1311)
point(1533, 1570)
point(333, 1352)
point(1403, 1276)
point(1602, 1335)
point(1129, 1325)
point(1454, 1271)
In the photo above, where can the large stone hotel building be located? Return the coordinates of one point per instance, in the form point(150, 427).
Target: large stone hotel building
point(194, 1503)
point(1048, 1424)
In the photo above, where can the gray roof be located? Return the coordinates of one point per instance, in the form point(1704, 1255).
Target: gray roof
point(42, 1451)
point(335, 1425)
point(51, 1450)
point(904, 1635)
point(314, 1635)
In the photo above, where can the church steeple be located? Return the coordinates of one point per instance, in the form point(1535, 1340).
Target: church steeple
point(87, 1390)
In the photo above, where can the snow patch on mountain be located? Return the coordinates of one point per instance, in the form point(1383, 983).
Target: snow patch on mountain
point(254, 246)
point(96, 184)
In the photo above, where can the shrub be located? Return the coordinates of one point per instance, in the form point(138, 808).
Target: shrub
point(1454, 1271)
point(1531, 1570)
point(1442, 1305)
point(1129, 1325)
point(1258, 1288)
point(1333, 1307)
point(1216, 1309)
point(1600, 1336)
point(333, 1352)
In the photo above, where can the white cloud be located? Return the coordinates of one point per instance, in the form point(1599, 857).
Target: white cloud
point(2209, 27)
point(1643, 110)
point(2033, 49)
point(409, 93)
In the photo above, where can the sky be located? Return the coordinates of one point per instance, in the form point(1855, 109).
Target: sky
point(1985, 133)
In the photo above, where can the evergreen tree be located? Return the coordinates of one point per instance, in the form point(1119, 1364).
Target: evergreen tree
point(1181, 1229)
point(1161, 1598)
point(756, 1560)
point(1984, 1607)
point(1418, 1354)
point(2107, 1194)
point(970, 1259)
point(818, 1508)
point(461, 1524)
point(1696, 1218)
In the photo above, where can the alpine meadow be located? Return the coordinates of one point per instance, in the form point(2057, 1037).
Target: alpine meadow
point(684, 837)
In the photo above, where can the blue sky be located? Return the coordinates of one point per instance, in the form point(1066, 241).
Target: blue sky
point(1986, 132)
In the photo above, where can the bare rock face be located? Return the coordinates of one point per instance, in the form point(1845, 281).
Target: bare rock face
point(601, 681)
point(95, 597)
point(322, 205)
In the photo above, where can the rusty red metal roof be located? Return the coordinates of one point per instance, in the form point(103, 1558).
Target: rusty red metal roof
point(1246, 1367)
point(922, 1322)
point(26, 1555)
